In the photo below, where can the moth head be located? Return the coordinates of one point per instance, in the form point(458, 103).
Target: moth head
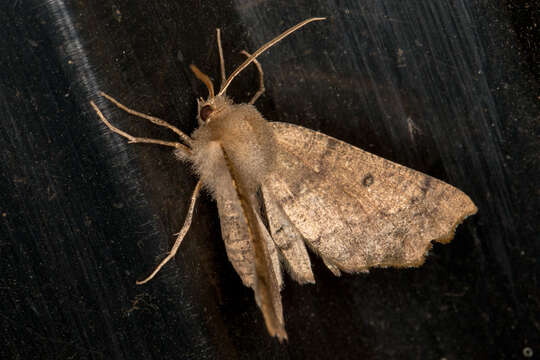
point(209, 108)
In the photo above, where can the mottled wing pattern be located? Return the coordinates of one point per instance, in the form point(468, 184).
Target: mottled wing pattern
point(272, 251)
point(288, 240)
point(235, 233)
point(249, 246)
point(358, 210)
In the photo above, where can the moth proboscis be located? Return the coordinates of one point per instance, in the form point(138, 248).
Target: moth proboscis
point(352, 208)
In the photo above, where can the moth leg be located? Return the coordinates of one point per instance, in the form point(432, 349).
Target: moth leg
point(221, 58)
point(133, 139)
point(261, 79)
point(185, 138)
point(181, 235)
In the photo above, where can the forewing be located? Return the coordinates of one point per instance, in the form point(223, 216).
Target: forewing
point(358, 210)
point(288, 239)
point(249, 246)
point(235, 232)
point(271, 246)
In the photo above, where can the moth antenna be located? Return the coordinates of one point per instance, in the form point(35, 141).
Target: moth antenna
point(139, 140)
point(262, 49)
point(221, 58)
point(152, 119)
point(261, 78)
point(204, 78)
point(181, 235)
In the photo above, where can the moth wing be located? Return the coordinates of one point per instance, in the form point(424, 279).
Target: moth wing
point(288, 240)
point(357, 210)
point(249, 246)
point(272, 251)
point(235, 233)
point(237, 241)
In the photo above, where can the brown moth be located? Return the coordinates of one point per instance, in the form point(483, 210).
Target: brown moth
point(352, 208)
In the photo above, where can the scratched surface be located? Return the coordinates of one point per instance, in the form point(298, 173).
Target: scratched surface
point(446, 88)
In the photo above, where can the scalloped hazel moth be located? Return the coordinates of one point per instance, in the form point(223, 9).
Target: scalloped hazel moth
point(353, 209)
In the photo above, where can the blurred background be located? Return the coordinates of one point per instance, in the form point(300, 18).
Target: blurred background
point(449, 88)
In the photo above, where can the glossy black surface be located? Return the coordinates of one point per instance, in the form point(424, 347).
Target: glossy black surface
point(447, 88)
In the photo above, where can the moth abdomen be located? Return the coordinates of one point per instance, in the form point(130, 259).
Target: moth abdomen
point(244, 135)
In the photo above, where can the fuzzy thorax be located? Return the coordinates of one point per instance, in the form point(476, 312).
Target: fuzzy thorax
point(245, 136)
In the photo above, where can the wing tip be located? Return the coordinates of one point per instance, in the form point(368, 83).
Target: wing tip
point(470, 210)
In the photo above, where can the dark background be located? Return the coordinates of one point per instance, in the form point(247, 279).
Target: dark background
point(449, 88)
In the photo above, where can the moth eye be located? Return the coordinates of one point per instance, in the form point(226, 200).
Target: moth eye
point(205, 112)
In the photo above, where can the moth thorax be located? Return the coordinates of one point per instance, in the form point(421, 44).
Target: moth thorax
point(247, 140)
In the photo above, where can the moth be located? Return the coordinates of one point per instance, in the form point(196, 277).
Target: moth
point(280, 187)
